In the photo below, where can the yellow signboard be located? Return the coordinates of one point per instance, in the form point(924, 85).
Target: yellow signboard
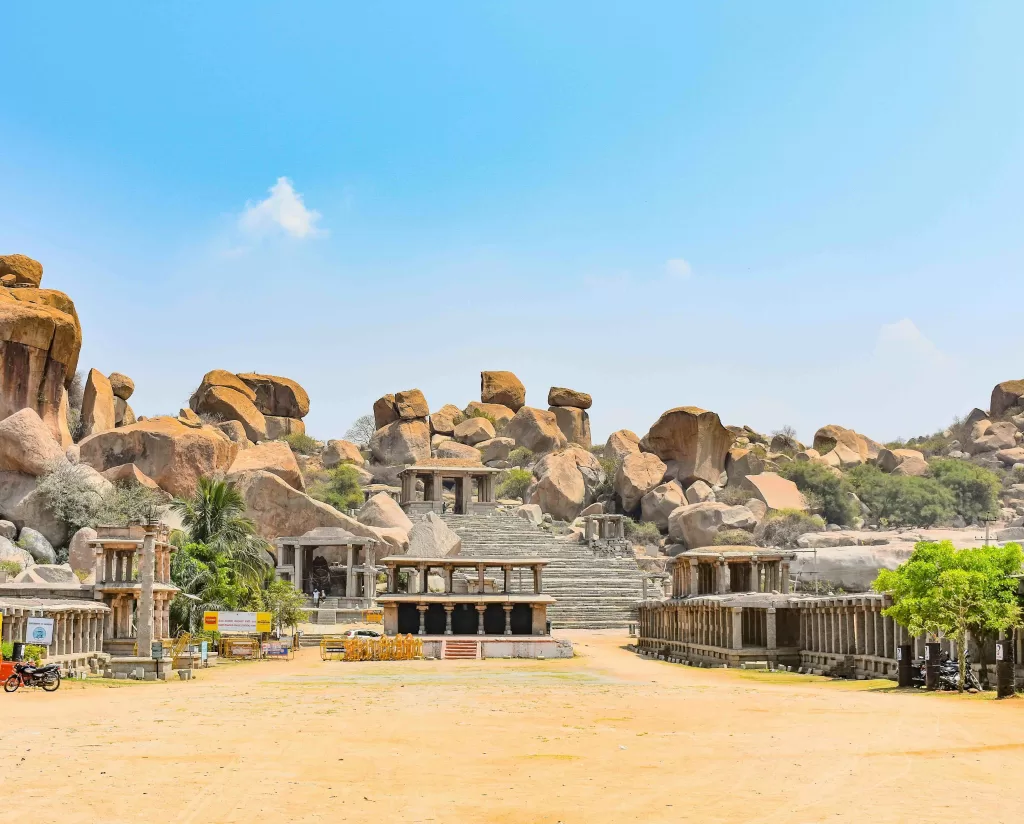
point(237, 621)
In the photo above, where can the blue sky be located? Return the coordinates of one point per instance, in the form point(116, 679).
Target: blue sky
point(798, 213)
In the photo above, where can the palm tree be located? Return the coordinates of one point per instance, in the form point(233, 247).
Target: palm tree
point(214, 515)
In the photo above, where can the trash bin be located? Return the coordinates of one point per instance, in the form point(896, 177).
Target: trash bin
point(1004, 669)
point(18, 651)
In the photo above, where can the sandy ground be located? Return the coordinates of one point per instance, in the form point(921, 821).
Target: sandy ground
point(607, 736)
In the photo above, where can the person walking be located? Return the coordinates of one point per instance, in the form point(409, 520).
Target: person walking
point(316, 598)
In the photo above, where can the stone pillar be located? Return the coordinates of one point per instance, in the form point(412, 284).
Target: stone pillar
point(506, 574)
point(754, 576)
point(299, 553)
point(723, 577)
point(508, 618)
point(350, 578)
point(887, 637)
point(422, 609)
point(480, 609)
point(480, 579)
point(694, 588)
point(784, 571)
point(770, 634)
point(448, 608)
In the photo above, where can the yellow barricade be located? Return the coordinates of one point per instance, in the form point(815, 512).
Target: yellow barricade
point(388, 648)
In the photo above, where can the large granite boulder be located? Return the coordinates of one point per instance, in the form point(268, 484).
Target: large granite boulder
point(495, 449)
point(620, 444)
point(698, 492)
point(384, 411)
point(662, 501)
point(445, 419)
point(433, 538)
point(27, 445)
point(696, 525)
point(36, 545)
point(574, 423)
point(782, 442)
point(637, 475)
point(560, 489)
point(279, 510)
point(410, 405)
point(503, 388)
point(692, 437)
point(279, 427)
point(1011, 457)
point(741, 462)
point(560, 396)
point(1005, 396)
point(585, 462)
point(382, 510)
point(340, 452)
point(172, 454)
point(230, 404)
point(124, 415)
point(473, 431)
point(536, 429)
point(234, 431)
point(453, 450)
point(987, 436)
point(775, 491)
point(851, 447)
point(98, 413)
point(122, 386)
point(270, 456)
point(40, 340)
point(278, 396)
point(501, 414)
point(81, 556)
point(131, 474)
point(25, 270)
point(531, 513)
point(401, 443)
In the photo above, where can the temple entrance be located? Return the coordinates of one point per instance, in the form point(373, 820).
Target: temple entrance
point(522, 619)
point(435, 622)
point(464, 620)
point(494, 620)
point(408, 619)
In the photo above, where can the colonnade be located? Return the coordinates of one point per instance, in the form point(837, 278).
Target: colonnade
point(715, 575)
point(852, 625)
point(120, 618)
point(76, 629)
point(708, 623)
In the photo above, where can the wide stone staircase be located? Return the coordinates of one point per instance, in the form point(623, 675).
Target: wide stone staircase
point(592, 590)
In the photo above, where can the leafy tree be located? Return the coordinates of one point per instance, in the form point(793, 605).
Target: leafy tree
point(521, 457)
point(302, 444)
point(75, 501)
point(286, 605)
point(782, 527)
point(941, 589)
point(824, 485)
point(900, 500)
point(361, 431)
point(339, 488)
point(214, 515)
point(975, 489)
point(514, 483)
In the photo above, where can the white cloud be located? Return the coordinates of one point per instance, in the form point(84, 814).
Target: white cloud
point(678, 269)
point(283, 210)
point(902, 341)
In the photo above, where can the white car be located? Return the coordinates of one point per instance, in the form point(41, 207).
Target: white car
point(363, 633)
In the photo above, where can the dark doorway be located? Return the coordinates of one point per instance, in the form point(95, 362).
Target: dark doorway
point(408, 619)
point(494, 620)
point(435, 620)
point(522, 619)
point(464, 620)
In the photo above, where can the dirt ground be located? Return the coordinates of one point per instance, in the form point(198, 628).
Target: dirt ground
point(607, 736)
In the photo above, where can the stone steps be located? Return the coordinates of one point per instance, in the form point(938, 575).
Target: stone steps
point(591, 591)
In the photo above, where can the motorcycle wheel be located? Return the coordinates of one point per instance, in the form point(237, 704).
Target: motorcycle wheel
point(52, 684)
point(12, 684)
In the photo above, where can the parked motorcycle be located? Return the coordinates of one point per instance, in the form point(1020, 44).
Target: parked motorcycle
point(27, 675)
point(947, 675)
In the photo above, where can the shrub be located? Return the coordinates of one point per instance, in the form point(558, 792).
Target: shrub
point(520, 456)
point(782, 527)
point(33, 652)
point(899, 500)
point(12, 568)
point(482, 413)
point(69, 495)
point(302, 444)
point(609, 466)
point(513, 483)
point(733, 537)
point(340, 488)
point(831, 489)
point(642, 532)
point(361, 431)
point(734, 495)
point(128, 503)
point(975, 489)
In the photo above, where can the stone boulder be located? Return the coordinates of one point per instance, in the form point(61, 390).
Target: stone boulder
point(81, 556)
point(122, 386)
point(445, 419)
point(911, 465)
point(433, 538)
point(382, 511)
point(889, 459)
point(235, 432)
point(40, 340)
point(776, 492)
point(560, 396)
point(25, 270)
point(501, 414)
point(124, 415)
point(739, 463)
point(695, 439)
point(473, 431)
point(10, 552)
point(401, 443)
point(574, 423)
point(495, 449)
point(279, 427)
point(987, 436)
point(340, 452)
point(384, 411)
point(60, 575)
point(277, 396)
point(272, 456)
point(453, 450)
point(586, 464)
point(230, 404)
point(637, 475)
point(27, 445)
point(191, 419)
point(851, 448)
point(131, 474)
point(620, 444)
point(172, 454)
point(695, 525)
point(8, 530)
point(410, 405)
point(661, 502)
point(503, 388)
point(279, 510)
point(785, 443)
point(36, 545)
point(1005, 396)
point(536, 429)
point(560, 490)
point(1010, 457)
point(98, 414)
point(698, 492)
point(532, 513)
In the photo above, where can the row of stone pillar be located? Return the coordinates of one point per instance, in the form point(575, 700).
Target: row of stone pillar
point(74, 631)
point(711, 625)
point(122, 610)
point(423, 572)
point(850, 629)
point(763, 576)
point(118, 566)
point(450, 608)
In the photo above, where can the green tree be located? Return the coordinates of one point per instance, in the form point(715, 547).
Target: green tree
point(340, 488)
point(286, 605)
point(943, 590)
point(514, 482)
point(824, 485)
point(975, 489)
point(214, 516)
point(901, 500)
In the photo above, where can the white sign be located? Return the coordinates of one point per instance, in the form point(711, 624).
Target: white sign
point(999, 652)
point(242, 622)
point(39, 631)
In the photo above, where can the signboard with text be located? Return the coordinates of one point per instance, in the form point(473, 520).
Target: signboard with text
point(243, 622)
point(39, 631)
